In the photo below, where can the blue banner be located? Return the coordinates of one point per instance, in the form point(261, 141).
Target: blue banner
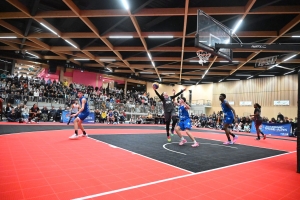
point(66, 116)
point(277, 129)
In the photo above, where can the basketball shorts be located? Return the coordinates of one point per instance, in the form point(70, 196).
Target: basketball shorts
point(82, 116)
point(185, 124)
point(228, 119)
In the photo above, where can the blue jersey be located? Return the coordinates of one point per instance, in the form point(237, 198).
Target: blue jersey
point(183, 113)
point(226, 110)
point(86, 106)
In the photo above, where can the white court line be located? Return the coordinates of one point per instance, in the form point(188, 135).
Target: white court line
point(174, 178)
point(164, 146)
point(143, 156)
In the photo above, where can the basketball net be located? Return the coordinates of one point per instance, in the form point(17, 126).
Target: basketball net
point(203, 56)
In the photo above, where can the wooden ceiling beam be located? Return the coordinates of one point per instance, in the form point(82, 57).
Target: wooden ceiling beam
point(186, 10)
point(233, 10)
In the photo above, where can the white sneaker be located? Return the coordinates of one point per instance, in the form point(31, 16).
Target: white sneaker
point(82, 135)
point(74, 136)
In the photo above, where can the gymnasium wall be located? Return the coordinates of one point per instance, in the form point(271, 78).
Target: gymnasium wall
point(263, 91)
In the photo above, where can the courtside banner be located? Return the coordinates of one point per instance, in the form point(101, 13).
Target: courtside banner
point(277, 129)
point(90, 119)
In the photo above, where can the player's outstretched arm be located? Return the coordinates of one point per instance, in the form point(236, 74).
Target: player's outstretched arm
point(179, 93)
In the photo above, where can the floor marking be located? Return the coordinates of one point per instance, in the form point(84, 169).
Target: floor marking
point(174, 178)
point(164, 146)
point(144, 156)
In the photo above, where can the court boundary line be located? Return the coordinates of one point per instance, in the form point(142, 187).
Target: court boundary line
point(175, 178)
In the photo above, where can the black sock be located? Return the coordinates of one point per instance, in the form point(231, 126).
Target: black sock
point(232, 134)
point(228, 137)
point(76, 132)
point(84, 133)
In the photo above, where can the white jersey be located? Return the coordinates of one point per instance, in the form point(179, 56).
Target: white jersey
point(75, 108)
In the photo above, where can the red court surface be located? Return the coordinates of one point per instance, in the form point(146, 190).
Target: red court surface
point(47, 165)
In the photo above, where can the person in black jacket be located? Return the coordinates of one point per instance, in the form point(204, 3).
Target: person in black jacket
point(169, 109)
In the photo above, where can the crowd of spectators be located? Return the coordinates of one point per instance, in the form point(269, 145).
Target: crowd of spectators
point(111, 104)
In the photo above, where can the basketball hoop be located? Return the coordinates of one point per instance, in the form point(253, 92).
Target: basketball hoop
point(203, 56)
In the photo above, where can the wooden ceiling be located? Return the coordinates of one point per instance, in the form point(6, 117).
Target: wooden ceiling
point(84, 29)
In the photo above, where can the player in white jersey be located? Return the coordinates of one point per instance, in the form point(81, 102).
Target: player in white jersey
point(74, 109)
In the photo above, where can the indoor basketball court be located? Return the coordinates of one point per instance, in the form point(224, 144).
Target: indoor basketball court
point(136, 162)
point(142, 42)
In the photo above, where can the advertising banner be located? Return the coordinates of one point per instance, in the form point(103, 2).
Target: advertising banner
point(277, 129)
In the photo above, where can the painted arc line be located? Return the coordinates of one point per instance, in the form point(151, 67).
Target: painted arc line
point(164, 146)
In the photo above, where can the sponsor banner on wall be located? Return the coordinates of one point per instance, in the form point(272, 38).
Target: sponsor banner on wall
point(231, 102)
point(278, 129)
point(245, 103)
point(66, 116)
point(282, 103)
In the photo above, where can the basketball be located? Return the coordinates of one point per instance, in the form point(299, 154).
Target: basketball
point(155, 85)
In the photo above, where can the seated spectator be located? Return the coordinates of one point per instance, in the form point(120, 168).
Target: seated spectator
point(236, 127)
point(103, 117)
point(139, 120)
point(116, 116)
point(52, 114)
point(122, 117)
point(241, 127)
point(45, 114)
point(97, 115)
point(12, 117)
point(247, 128)
point(132, 120)
point(8, 109)
point(111, 117)
point(34, 114)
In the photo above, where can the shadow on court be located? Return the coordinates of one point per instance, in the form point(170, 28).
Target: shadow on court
point(209, 155)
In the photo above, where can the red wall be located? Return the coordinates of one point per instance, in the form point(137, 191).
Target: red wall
point(86, 78)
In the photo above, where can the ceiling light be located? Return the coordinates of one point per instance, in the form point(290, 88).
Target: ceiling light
point(249, 77)
point(146, 72)
point(203, 41)
point(125, 4)
point(168, 73)
point(149, 55)
point(27, 72)
point(107, 59)
point(153, 64)
point(32, 54)
point(81, 59)
point(49, 29)
point(225, 61)
point(220, 80)
point(273, 66)
point(206, 82)
point(289, 72)
point(242, 75)
point(20, 68)
point(266, 75)
point(289, 57)
point(160, 36)
point(108, 69)
point(159, 79)
point(71, 44)
point(237, 26)
point(232, 79)
point(120, 36)
point(8, 37)
point(193, 60)
point(296, 36)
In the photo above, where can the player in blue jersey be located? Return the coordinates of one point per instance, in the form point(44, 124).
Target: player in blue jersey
point(229, 116)
point(185, 123)
point(82, 113)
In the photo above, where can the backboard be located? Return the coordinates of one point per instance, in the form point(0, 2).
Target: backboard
point(209, 32)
